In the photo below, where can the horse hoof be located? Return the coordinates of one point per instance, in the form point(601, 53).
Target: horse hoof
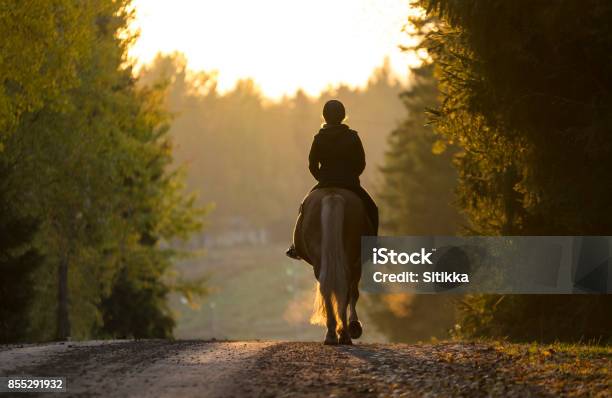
point(331, 339)
point(345, 340)
point(355, 329)
point(344, 337)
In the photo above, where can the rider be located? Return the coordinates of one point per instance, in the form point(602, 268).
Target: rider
point(337, 159)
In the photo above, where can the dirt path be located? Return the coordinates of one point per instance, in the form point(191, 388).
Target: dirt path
point(157, 368)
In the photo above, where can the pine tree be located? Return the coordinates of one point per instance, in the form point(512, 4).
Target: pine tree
point(419, 178)
point(417, 198)
point(527, 97)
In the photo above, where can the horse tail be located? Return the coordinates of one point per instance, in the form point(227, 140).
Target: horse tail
point(332, 284)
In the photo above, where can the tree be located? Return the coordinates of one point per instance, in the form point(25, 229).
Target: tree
point(42, 44)
point(18, 263)
point(97, 173)
point(527, 98)
point(534, 127)
point(417, 194)
point(416, 198)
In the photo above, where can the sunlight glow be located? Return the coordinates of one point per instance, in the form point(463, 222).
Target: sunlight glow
point(282, 44)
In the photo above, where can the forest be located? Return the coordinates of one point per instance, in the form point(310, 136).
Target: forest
point(110, 175)
point(88, 191)
point(523, 110)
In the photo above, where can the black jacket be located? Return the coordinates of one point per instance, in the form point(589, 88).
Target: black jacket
point(336, 156)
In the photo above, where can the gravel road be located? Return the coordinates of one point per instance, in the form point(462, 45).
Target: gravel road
point(158, 368)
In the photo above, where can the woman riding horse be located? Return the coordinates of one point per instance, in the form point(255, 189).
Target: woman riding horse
point(337, 159)
point(333, 217)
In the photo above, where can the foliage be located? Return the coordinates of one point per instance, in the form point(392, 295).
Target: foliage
point(18, 261)
point(527, 98)
point(137, 308)
point(545, 318)
point(93, 163)
point(560, 368)
point(42, 43)
point(416, 198)
point(418, 175)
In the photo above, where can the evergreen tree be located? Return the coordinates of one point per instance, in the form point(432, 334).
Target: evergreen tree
point(527, 96)
point(419, 178)
point(416, 198)
point(136, 307)
point(18, 262)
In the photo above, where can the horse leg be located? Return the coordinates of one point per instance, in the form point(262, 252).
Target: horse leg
point(343, 331)
point(354, 328)
point(331, 338)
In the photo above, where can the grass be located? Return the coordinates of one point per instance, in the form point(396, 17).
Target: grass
point(564, 369)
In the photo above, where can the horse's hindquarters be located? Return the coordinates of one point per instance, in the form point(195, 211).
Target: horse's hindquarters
point(328, 234)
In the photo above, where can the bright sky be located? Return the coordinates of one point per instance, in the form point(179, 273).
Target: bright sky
point(282, 44)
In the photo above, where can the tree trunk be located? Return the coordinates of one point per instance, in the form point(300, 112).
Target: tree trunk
point(63, 307)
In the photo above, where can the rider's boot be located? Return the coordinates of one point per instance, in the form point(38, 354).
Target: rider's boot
point(292, 253)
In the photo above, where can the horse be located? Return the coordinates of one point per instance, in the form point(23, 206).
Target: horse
point(327, 235)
